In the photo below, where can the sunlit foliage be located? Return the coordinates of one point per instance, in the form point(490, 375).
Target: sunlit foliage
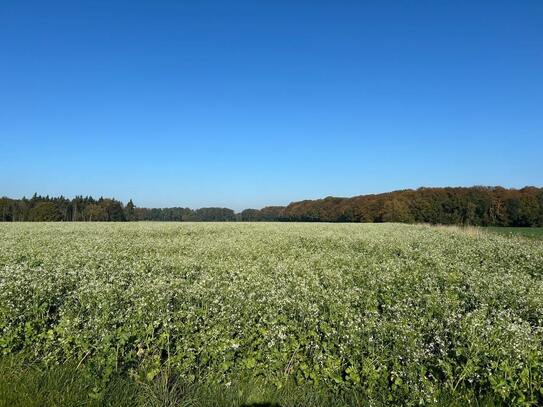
point(401, 313)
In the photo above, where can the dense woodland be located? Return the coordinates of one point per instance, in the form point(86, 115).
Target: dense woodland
point(483, 206)
point(88, 209)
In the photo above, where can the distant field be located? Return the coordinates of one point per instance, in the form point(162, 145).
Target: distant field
point(295, 314)
point(533, 233)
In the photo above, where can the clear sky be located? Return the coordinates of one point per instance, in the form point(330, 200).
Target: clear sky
point(246, 104)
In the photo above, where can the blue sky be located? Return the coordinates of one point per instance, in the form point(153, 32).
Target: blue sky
point(246, 104)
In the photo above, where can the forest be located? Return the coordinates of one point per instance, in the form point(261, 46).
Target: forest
point(478, 206)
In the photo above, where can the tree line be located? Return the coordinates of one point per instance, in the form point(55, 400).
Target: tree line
point(88, 209)
point(478, 206)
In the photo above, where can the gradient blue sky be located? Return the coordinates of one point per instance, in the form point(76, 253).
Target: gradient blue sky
point(246, 104)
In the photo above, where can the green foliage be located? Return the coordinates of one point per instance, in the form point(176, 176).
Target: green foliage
point(267, 214)
point(533, 233)
point(476, 206)
point(396, 210)
point(30, 385)
point(130, 211)
point(45, 211)
point(400, 314)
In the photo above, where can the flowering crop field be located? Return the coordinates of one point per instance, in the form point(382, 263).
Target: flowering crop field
point(399, 314)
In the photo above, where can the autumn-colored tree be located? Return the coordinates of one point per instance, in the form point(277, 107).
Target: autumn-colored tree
point(484, 206)
point(95, 212)
point(396, 210)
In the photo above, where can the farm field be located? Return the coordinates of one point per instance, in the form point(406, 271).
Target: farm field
point(532, 233)
point(279, 313)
